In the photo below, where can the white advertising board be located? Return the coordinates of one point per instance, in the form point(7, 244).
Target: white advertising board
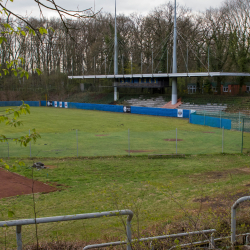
point(180, 113)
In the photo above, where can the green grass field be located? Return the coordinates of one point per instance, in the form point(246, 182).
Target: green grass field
point(104, 133)
point(166, 194)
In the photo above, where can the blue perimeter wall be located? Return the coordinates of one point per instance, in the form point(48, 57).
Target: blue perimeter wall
point(194, 119)
point(119, 108)
point(210, 121)
point(18, 103)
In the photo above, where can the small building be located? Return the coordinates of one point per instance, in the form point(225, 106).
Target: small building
point(227, 88)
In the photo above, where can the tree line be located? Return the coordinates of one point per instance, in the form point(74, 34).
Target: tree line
point(214, 40)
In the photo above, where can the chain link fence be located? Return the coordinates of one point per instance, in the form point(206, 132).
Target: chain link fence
point(79, 143)
point(236, 118)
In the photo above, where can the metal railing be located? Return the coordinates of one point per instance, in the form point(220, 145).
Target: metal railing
point(152, 239)
point(233, 217)
point(129, 241)
point(20, 223)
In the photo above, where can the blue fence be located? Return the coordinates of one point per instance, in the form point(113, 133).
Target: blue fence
point(18, 103)
point(210, 121)
point(120, 109)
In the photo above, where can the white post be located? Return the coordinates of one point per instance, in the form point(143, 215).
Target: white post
point(174, 80)
point(115, 60)
point(176, 140)
point(152, 61)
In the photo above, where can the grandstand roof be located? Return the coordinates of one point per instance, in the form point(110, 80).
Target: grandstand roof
point(160, 75)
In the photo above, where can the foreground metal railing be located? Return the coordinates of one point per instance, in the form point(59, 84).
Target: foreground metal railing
point(129, 241)
point(155, 238)
point(20, 223)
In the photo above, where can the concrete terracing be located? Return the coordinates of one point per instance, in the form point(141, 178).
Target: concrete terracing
point(209, 107)
point(157, 102)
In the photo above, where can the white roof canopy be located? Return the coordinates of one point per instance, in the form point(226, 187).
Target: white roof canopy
point(160, 75)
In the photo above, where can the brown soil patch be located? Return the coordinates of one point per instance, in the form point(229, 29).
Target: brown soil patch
point(12, 184)
point(101, 135)
point(50, 166)
point(139, 151)
point(215, 175)
point(173, 139)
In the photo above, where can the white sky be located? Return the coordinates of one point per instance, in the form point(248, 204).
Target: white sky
point(30, 8)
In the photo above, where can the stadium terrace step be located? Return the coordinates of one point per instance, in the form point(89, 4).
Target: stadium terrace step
point(152, 102)
point(209, 107)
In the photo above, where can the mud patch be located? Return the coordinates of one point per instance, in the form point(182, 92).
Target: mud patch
point(173, 139)
point(139, 151)
point(50, 166)
point(215, 175)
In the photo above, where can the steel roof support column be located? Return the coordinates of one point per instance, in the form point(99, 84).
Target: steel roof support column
point(174, 80)
point(115, 60)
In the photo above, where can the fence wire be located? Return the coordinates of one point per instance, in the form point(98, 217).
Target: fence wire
point(236, 118)
point(79, 143)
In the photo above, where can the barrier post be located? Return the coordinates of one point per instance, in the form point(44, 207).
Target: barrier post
point(239, 121)
point(128, 143)
point(176, 140)
point(242, 135)
point(220, 118)
point(76, 143)
point(222, 138)
point(19, 237)
point(204, 118)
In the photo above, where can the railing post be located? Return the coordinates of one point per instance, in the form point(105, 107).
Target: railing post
point(212, 243)
point(129, 233)
point(233, 217)
point(19, 237)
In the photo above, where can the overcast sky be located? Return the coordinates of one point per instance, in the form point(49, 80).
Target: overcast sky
point(29, 7)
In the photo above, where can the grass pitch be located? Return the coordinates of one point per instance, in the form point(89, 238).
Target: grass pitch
point(72, 132)
point(161, 192)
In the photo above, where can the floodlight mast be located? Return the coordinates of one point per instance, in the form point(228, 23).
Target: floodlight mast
point(174, 79)
point(115, 59)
